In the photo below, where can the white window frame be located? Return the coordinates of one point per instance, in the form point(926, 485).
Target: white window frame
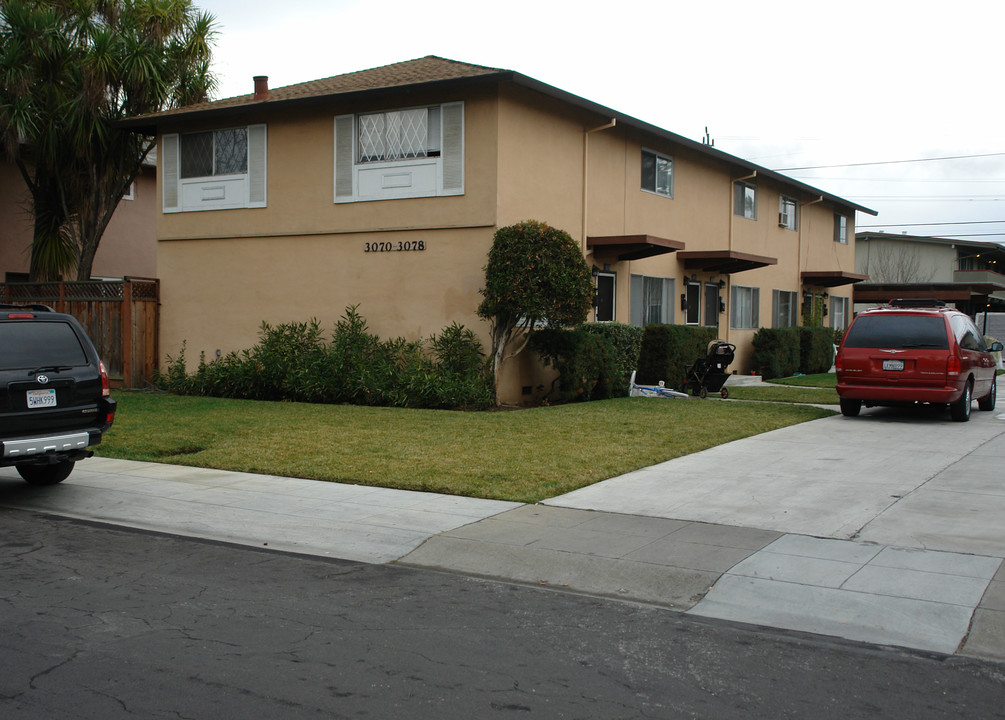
point(841, 228)
point(214, 192)
point(434, 174)
point(792, 317)
point(788, 212)
point(744, 311)
point(741, 191)
point(657, 157)
point(839, 312)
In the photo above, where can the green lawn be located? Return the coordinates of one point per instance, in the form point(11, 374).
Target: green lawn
point(524, 456)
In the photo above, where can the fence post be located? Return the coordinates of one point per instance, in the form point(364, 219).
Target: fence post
point(127, 332)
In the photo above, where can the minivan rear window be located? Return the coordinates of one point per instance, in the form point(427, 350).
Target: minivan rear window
point(32, 345)
point(898, 331)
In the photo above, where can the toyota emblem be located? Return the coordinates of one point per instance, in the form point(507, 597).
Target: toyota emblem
point(42, 379)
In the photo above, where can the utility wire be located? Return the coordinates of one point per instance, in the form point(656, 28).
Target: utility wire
point(890, 162)
point(931, 224)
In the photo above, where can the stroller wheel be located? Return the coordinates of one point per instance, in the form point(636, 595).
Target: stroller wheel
point(704, 392)
point(725, 393)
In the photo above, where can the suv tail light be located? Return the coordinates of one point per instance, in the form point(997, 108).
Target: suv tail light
point(105, 390)
point(953, 366)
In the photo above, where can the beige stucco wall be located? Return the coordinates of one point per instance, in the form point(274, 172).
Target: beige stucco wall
point(899, 260)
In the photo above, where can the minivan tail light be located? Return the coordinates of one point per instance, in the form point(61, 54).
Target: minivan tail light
point(839, 362)
point(953, 366)
point(105, 391)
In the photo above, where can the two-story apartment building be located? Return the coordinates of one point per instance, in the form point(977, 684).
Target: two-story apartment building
point(383, 188)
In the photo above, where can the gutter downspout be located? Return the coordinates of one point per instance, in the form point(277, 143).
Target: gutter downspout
point(799, 248)
point(729, 242)
point(732, 204)
point(586, 176)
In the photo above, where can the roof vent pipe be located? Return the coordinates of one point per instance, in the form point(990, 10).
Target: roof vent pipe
point(261, 87)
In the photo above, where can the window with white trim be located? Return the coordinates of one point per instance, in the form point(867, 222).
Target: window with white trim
point(839, 312)
point(745, 200)
point(651, 300)
point(788, 213)
point(214, 169)
point(657, 173)
point(745, 308)
point(784, 308)
point(841, 229)
point(402, 153)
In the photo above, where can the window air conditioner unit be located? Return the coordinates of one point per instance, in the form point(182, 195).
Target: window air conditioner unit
point(783, 219)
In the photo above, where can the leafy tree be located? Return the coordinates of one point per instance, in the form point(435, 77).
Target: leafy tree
point(69, 69)
point(536, 276)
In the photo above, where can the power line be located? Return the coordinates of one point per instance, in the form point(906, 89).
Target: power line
point(931, 224)
point(890, 162)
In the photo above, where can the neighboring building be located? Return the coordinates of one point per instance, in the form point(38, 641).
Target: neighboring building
point(128, 247)
point(383, 188)
point(967, 274)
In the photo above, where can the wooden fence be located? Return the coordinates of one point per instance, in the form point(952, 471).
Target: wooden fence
point(122, 317)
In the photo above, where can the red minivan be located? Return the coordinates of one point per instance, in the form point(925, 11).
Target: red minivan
point(915, 351)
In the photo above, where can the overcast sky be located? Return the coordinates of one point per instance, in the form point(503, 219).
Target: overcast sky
point(784, 84)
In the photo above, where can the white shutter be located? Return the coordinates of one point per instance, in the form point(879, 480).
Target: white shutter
point(169, 172)
point(452, 152)
point(343, 158)
point(256, 165)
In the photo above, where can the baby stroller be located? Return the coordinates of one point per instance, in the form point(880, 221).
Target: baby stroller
point(708, 374)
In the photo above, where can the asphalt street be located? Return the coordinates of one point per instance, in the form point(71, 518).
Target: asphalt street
point(102, 622)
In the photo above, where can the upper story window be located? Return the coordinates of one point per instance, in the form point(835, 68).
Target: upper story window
point(787, 213)
point(404, 153)
point(745, 200)
point(398, 135)
point(214, 169)
point(657, 173)
point(841, 229)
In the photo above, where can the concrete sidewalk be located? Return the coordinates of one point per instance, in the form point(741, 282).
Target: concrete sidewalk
point(885, 528)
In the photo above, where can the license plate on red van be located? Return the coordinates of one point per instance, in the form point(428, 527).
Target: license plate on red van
point(41, 398)
point(893, 364)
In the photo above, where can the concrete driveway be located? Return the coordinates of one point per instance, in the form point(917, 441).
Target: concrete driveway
point(913, 479)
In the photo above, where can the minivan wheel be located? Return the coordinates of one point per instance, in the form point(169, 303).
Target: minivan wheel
point(850, 408)
point(46, 474)
point(960, 410)
point(988, 402)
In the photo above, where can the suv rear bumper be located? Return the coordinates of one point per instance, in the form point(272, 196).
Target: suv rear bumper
point(54, 447)
point(889, 394)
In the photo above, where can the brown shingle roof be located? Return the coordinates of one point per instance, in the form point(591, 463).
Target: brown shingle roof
point(411, 72)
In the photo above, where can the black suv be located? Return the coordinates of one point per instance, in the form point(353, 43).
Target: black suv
point(54, 400)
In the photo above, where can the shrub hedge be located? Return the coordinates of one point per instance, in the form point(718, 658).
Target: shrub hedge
point(293, 361)
point(781, 352)
point(587, 363)
point(667, 349)
point(626, 340)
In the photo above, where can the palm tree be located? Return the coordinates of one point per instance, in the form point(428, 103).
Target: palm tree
point(69, 69)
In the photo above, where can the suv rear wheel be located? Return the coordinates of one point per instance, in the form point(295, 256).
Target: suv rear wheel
point(850, 408)
point(988, 402)
point(960, 410)
point(46, 474)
